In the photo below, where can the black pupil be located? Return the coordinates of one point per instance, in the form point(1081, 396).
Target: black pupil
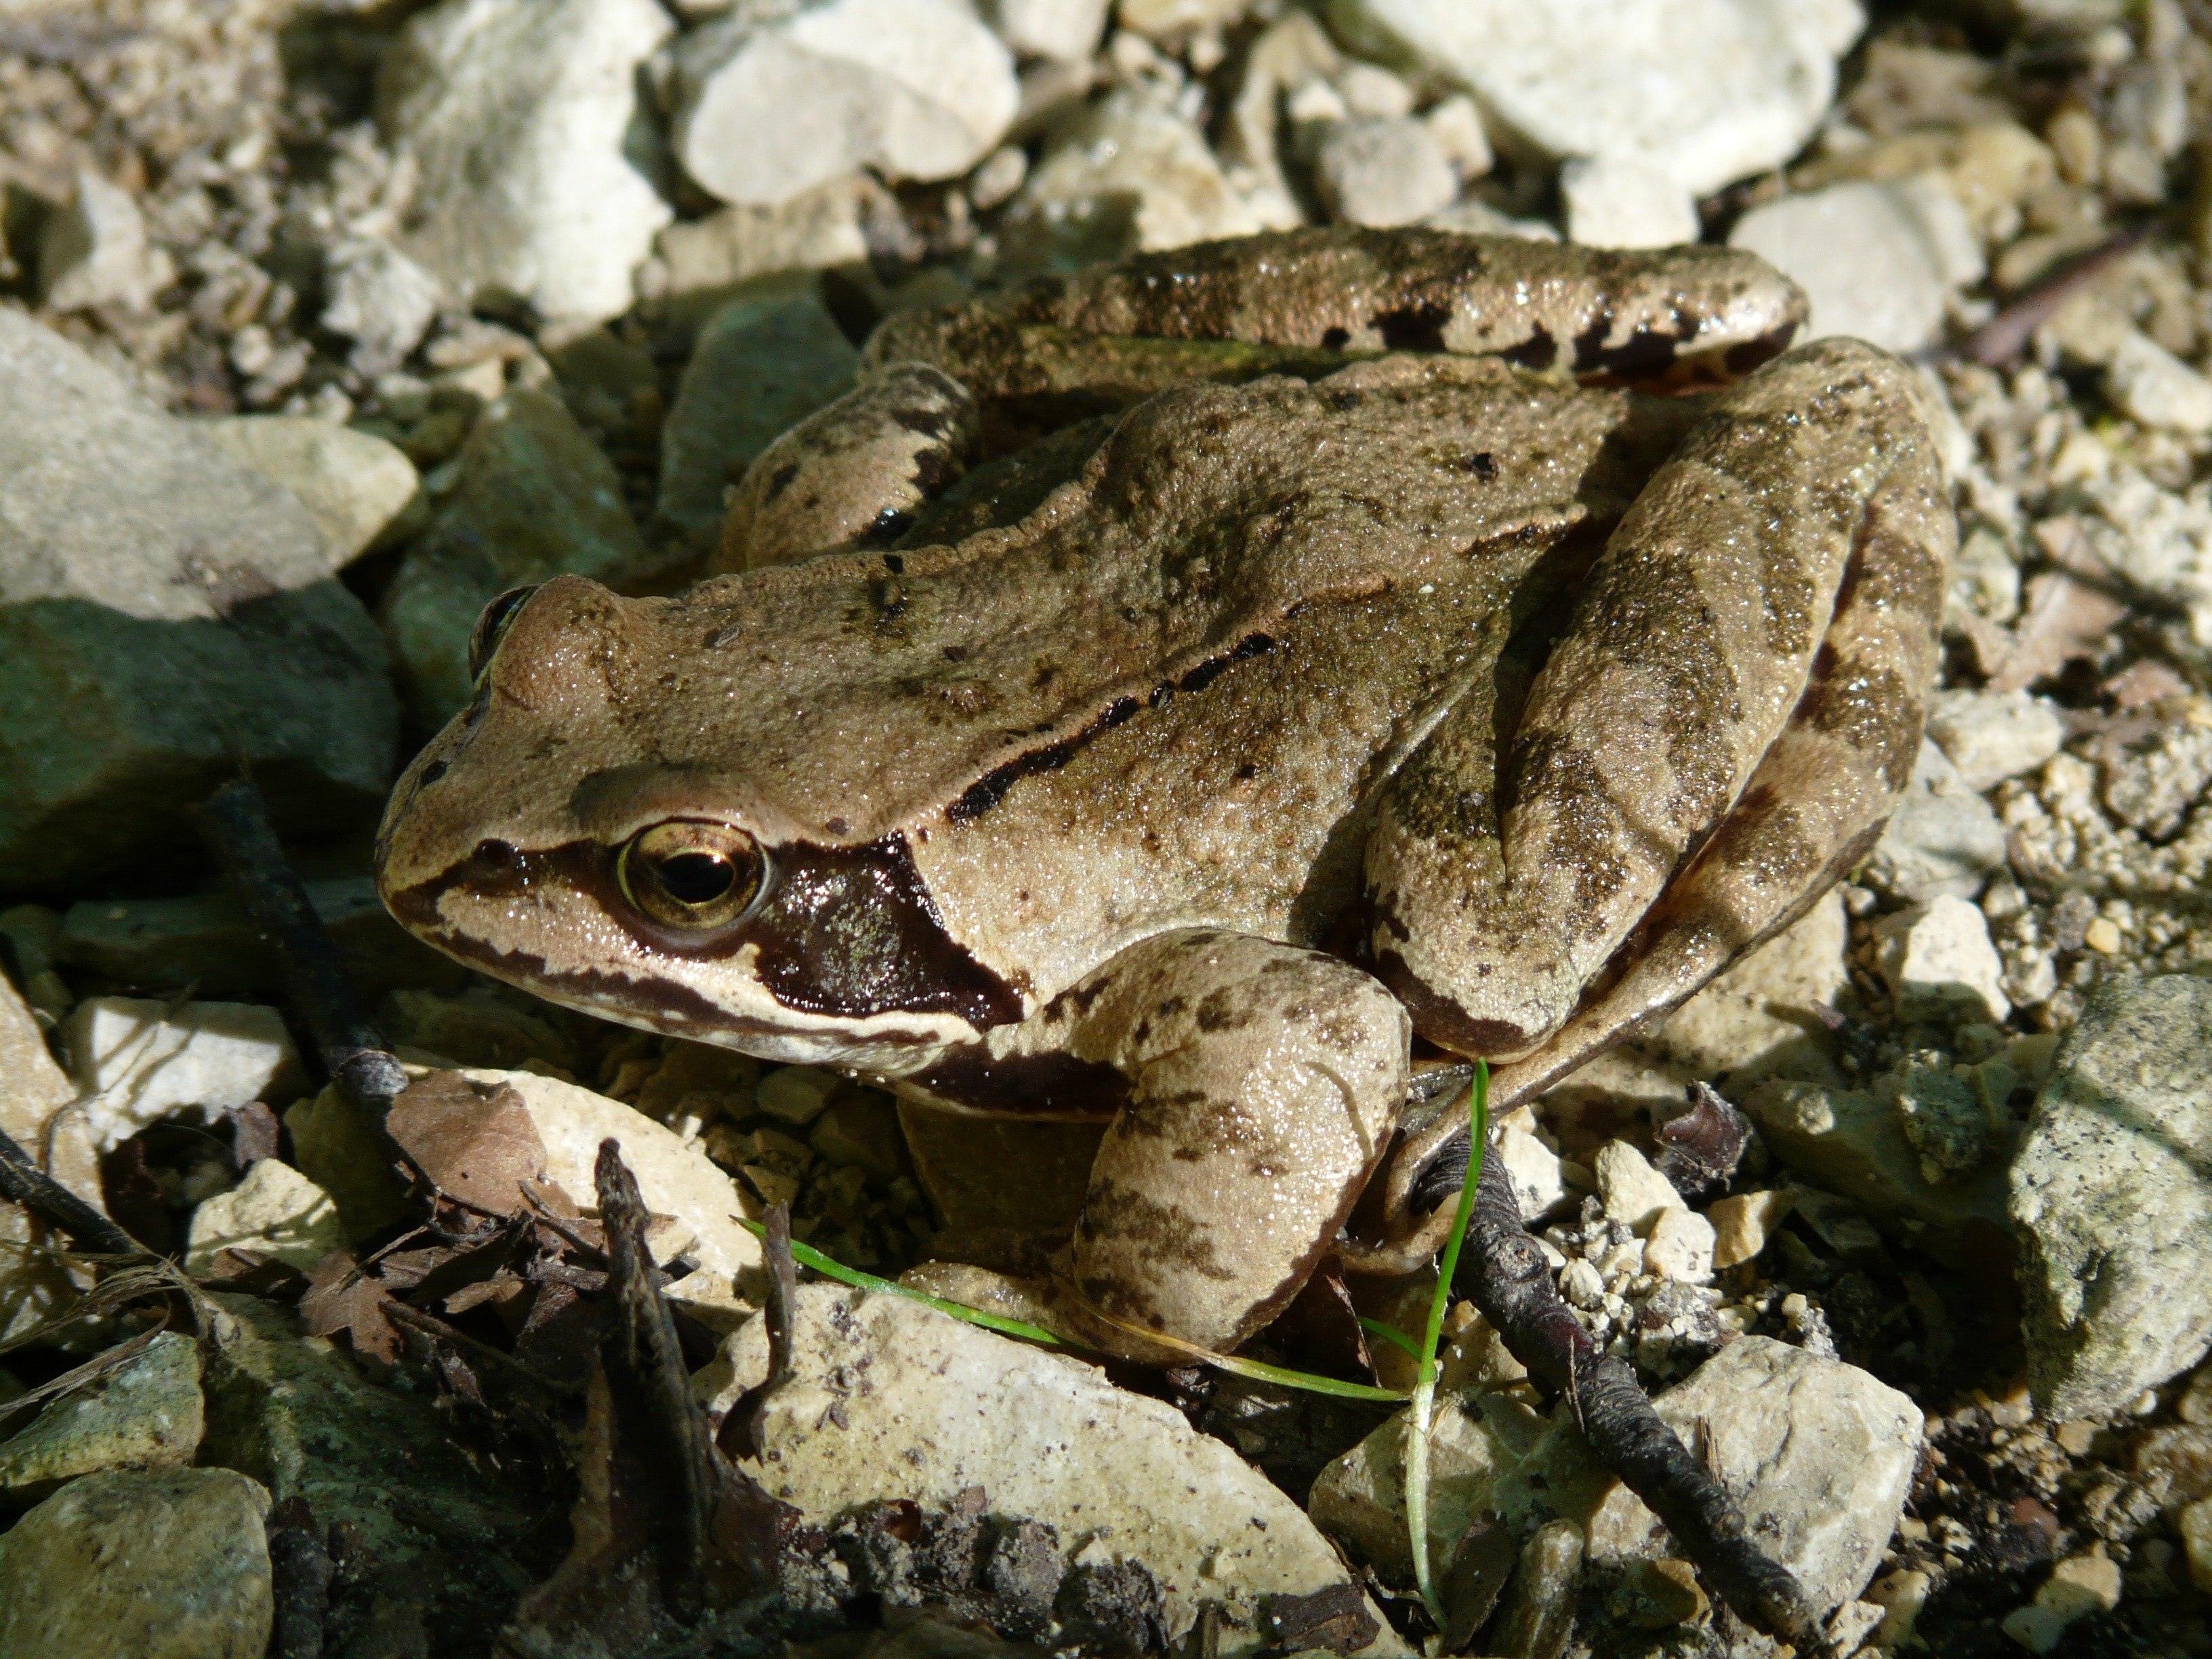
point(695, 878)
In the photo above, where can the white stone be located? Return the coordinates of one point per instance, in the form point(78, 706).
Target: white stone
point(524, 118)
point(1582, 1284)
point(1940, 964)
point(1166, 20)
point(275, 1211)
point(1539, 1174)
point(1131, 154)
point(816, 228)
point(2078, 1586)
point(1456, 125)
point(2153, 385)
point(1943, 838)
point(1383, 171)
point(1623, 201)
point(1759, 1019)
point(1066, 30)
point(381, 299)
point(675, 1177)
point(35, 1097)
point(105, 498)
point(139, 1059)
point(1990, 736)
point(889, 1399)
point(772, 100)
point(1818, 1454)
point(353, 483)
point(1706, 90)
point(1879, 261)
point(1681, 1246)
point(95, 252)
point(1632, 1190)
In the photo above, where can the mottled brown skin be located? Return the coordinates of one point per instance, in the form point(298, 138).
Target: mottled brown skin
point(1415, 692)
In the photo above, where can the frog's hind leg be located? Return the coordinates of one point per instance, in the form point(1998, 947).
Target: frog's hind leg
point(1264, 1084)
point(1695, 640)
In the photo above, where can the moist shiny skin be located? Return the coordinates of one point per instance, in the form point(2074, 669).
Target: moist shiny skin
point(1207, 730)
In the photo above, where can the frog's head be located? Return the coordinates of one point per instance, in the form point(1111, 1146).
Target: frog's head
point(595, 828)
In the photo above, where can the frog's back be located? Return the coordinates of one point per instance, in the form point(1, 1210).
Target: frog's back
point(872, 689)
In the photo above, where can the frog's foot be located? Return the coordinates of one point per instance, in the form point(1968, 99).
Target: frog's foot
point(1709, 625)
point(1262, 1083)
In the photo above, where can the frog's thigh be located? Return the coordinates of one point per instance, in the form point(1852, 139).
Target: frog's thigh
point(1691, 646)
point(1264, 1084)
point(859, 465)
point(1821, 794)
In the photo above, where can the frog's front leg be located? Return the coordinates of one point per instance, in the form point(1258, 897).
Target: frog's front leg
point(1262, 1084)
point(1695, 640)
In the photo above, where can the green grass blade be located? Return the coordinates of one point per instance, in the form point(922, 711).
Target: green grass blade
point(1425, 1389)
point(807, 1256)
point(1390, 1333)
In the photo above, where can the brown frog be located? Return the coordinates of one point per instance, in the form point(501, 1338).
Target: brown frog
point(1157, 694)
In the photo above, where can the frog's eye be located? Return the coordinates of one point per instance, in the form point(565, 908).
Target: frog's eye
point(491, 627)
point(691, 873)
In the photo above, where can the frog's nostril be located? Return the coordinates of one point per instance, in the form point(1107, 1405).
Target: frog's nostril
point(431, 774)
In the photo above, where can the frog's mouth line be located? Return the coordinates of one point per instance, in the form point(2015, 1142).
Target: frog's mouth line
point(844, 934)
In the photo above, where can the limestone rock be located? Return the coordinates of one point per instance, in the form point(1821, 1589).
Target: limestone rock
point(1385, 171)
point(2078, 1586)
point(2112, 1195)
point(1681, 1246)
point(1852, 1143)
point(275, 1211)
point(1633, 1192)
point(167, 1565)
point(2151, 384)
point(381, 299)
point(764, 362)
point(1622, 201)
point(95, 252)
point(1742, 1223)
point(1128, 174)
point(165, 616)
point(1878, 261)
point(1943, 838)
point(1066, 30)
point(772, 100)
point(818, 228)
point(536, 159)
point(34, 1099)
point(1990, 736)
point(1818, 1454)
point(1588, 77)
point(536, 499)
point(2195, 1526)
point(1939, 963)
point(354, 484)
point(139, 1059)
point(892, 1400)
point(146, 1414)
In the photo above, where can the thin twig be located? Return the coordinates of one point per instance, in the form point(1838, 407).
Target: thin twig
point(431, 1326)
point(235, 822)
point(1510, 1281)
point(2006, 334)
point(25, 1183)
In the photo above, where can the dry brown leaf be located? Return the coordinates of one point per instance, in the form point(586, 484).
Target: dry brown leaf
point(342, 1299)
point(2065, 617)
point(476, 1144)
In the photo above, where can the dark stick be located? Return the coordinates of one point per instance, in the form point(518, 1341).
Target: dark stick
point(643, 1359)
point(1505, 1273)
point(236, 823)
point(24, 1183)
